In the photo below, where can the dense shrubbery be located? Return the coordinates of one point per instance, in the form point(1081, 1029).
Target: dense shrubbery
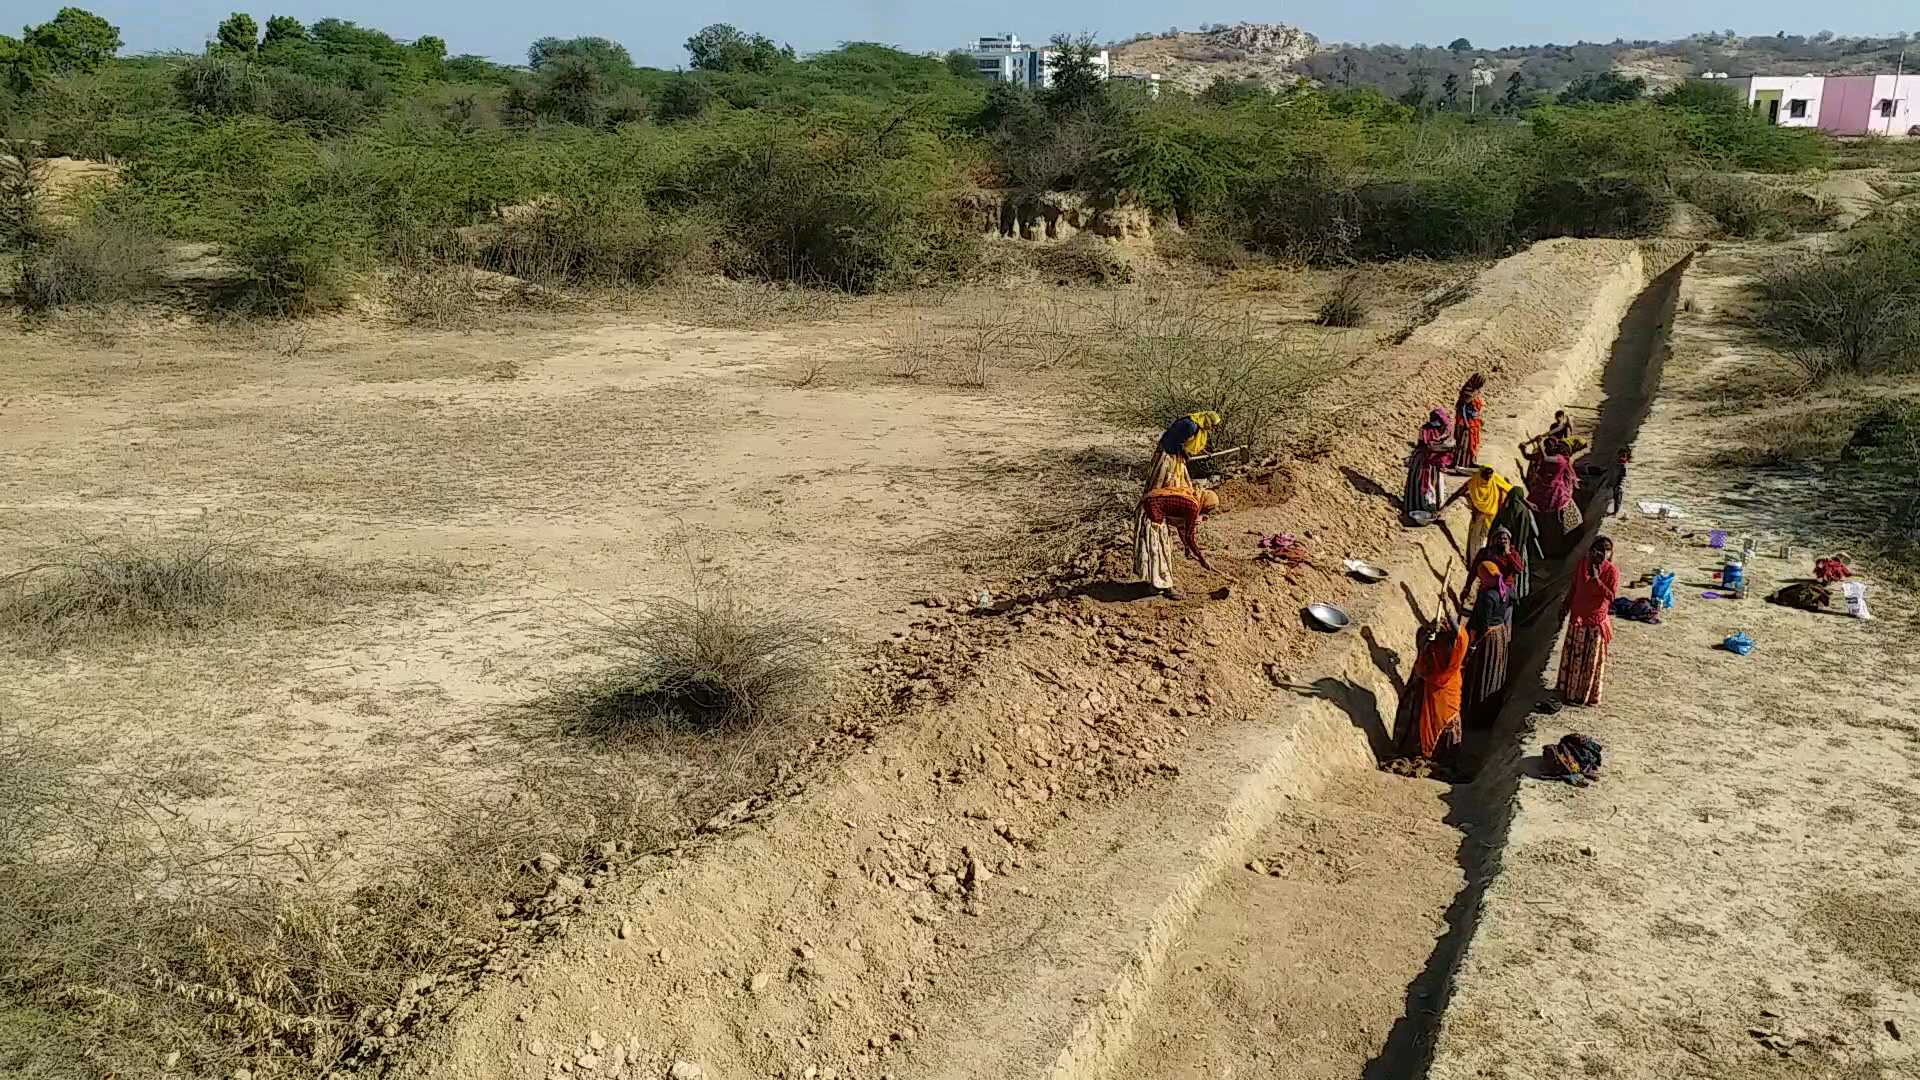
point(312, 154)
point(1855, 311)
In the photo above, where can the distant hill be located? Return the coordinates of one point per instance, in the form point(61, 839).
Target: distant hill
point(1258, 52)
point(1277, 55)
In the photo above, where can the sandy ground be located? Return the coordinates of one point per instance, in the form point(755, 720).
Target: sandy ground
point(1279, 977)
point(1734, 898)
point(554, 470)
point(545, 469)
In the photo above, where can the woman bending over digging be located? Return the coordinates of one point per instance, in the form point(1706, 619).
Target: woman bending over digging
point(1171, 506)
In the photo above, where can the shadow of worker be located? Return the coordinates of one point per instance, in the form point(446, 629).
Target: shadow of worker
point(1362, 707)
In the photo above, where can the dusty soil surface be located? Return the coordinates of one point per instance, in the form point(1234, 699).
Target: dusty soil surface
point(553, 470)
point(1734, 897)
point(1301, 964)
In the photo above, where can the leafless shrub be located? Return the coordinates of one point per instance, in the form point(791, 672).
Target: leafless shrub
point(436, 298)
point(710, 660)
point(97, 261)
point(811, 375)
point(912, 349)
point(1345, 304)
point(90, 588)
point(1200, 358)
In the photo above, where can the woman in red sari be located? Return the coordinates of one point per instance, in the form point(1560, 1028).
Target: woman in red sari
point(1466, 422)
point(1589, 613)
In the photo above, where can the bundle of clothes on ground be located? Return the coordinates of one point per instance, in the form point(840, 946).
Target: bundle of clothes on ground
point(1575, 759)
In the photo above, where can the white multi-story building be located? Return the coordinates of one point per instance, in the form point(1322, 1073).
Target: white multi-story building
point(1003, 58)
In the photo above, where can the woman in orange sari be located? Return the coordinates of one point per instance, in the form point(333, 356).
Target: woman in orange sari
point(1466, 422)
point(1443, 653)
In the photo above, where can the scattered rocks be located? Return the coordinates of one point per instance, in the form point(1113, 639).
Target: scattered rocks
point(546, 862)
point(686, 1070)
point(758, 984)
point(596, 1041)
point(1258, 867)
point(625, 932)
point(538, 1048)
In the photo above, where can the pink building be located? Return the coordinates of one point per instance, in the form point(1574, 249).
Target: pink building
point(1846, 104)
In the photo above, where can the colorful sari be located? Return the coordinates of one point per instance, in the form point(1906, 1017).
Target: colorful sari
point(1437, 727)
point(1426, 468)
point(1518, 520)
point(1589, 611)
point(1467, 424)
point(1153, 541)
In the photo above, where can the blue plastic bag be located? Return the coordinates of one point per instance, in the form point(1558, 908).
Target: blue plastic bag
point(1663, 588)
point(1739, 644)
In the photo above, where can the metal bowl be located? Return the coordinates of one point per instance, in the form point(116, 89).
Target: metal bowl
point(1328, 616)
point(1366, 571)
point(1422, 517)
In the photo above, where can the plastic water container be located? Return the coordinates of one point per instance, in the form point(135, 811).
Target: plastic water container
point(1733, 576)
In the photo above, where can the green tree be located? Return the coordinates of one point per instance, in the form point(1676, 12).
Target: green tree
point(1418, 86)
point(721, 47)
point(430, 48)
point(284, 30)
point(1450, 90)
point(1516, 87)
point(74, 41)
point(238, 33)
point(1077, 80)
point(960, 64)
point(1603, 88)
point(21, 68)
point(684, 97)
point(603, 55)
point(1460, 45)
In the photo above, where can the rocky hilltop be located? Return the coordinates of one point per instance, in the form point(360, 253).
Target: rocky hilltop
point(1193, 60)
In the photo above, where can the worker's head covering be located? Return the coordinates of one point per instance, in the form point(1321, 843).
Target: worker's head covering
point(1209, 502)
point(1491, 577)
point(1187, 436)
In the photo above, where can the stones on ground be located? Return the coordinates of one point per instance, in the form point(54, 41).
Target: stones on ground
point(538, 1048)
point(596, 1041)
point(758, 984)
point(686, 1070)
point(546, 862)
point(587, 1061)
point(1258, 867)
point(625, 931)
point(173, 1058)
point(524, 1015)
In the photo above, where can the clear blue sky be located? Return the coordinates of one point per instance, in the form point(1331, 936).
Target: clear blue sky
point(653, 30)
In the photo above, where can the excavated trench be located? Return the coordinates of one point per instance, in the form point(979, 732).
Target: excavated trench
point(1332, 952)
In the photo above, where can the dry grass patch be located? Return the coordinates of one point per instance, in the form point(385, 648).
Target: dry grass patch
point(93, 588)
point(134, 942)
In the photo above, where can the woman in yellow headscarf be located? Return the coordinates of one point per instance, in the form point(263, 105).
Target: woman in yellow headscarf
point(1154, 541)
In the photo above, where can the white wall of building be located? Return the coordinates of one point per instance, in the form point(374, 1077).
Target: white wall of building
point(1896, 106)
point(1801, 89)
point(1005, 59)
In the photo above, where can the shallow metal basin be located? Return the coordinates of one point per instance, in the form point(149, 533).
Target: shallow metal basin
point(1329, 616)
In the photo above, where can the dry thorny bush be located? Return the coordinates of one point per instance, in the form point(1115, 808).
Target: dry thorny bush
point(89, 588)
point(708, 659)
